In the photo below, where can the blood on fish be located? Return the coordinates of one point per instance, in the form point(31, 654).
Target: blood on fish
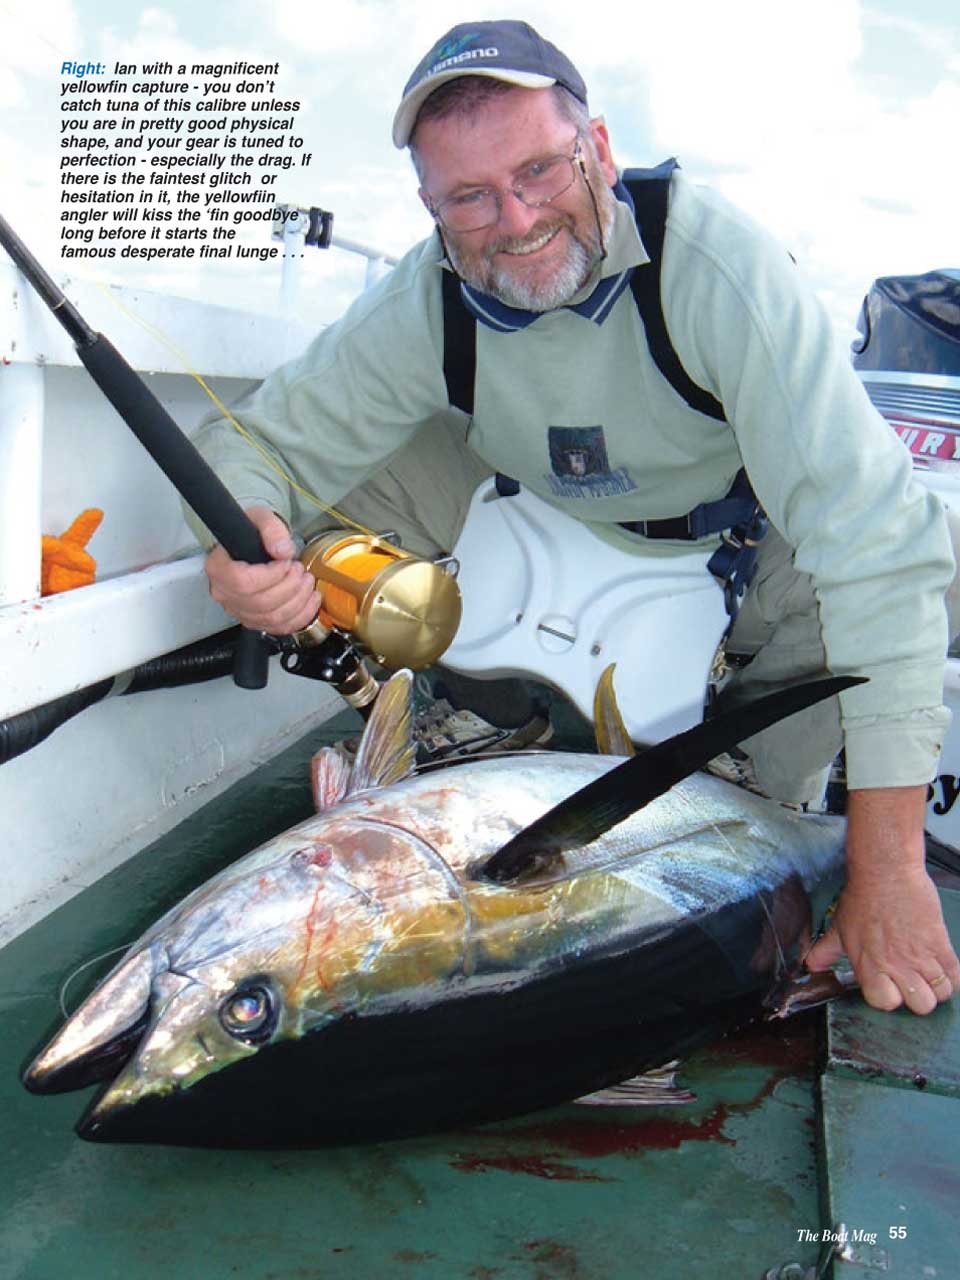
point(327, 939)
point(313, 855)
point(310, 925)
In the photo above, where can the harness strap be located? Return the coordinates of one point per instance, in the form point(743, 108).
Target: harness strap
point(649, 189)
point(737, 508)
point(459, 345)
point(738, 516)
point(740, 520)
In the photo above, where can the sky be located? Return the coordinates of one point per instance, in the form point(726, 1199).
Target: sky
point(832, 122)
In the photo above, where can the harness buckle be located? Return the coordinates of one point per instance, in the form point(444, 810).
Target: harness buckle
point(735, 560)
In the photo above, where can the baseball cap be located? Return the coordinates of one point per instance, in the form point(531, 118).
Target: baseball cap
point(510, 51)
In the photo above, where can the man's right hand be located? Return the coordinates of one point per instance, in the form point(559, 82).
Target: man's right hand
point(279, 597)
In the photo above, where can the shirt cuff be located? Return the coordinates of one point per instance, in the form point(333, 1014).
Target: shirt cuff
point(902, 752)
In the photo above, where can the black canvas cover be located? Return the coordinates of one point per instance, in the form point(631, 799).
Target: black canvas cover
point(911, 323)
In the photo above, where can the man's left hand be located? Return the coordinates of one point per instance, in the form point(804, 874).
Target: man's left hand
point(888, 920)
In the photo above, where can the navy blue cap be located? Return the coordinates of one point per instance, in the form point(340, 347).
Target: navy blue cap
point(510, 51)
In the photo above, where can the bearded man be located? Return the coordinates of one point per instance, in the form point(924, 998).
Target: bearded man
point(537, 236)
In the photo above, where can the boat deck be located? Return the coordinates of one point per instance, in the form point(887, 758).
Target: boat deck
point(739, 1183)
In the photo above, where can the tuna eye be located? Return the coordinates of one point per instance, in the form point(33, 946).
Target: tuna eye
point(249, 1014)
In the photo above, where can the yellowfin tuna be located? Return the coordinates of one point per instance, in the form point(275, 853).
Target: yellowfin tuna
point(454, 947)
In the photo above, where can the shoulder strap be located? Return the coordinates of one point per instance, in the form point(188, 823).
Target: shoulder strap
point(459, 345)
point(649, 190)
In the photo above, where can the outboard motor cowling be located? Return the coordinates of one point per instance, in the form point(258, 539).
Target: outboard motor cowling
point(908, 358)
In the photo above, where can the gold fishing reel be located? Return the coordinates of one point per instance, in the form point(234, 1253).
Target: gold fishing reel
point(403, 610)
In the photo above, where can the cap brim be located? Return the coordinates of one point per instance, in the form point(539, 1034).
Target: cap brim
point(406, 117)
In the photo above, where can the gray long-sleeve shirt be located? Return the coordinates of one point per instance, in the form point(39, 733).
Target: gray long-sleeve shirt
point(578, 412)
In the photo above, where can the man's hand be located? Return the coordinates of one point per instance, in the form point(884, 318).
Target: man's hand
point(888, 920)
point(279, 597)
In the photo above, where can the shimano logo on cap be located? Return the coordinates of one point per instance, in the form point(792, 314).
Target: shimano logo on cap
point(470, 54)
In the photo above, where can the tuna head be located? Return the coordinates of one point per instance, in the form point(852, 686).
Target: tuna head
point(219, 1018)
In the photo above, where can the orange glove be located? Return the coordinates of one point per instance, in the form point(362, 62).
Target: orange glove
point(64, 564)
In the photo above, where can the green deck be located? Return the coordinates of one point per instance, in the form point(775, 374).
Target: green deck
point(890, 1120)
point(722, 1187)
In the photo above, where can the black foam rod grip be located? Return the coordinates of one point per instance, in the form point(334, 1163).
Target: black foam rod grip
point(190, 475)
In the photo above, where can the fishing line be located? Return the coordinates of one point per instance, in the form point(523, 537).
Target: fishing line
point(19, 17)
point(241, 430)
point(763, 902)
point(312, 498)
point(430, 766)
point(61, 995)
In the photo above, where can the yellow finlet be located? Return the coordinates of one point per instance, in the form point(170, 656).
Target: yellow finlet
point(612, 736)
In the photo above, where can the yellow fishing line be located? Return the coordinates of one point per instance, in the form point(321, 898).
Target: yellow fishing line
point(238, 427)
point(185, 361)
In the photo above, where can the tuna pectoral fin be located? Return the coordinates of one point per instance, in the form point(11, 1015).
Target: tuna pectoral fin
point(655, 1088)
point(612, 736)
point(600, 805)
point(94, 1043)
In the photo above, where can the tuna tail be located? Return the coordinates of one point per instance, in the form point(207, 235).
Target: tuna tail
point(600, 805)
point(95, 1042)
point(801, 990)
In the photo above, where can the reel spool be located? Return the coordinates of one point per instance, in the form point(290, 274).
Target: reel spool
point(403, 610)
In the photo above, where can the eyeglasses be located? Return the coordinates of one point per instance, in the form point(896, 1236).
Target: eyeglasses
point(535, 186)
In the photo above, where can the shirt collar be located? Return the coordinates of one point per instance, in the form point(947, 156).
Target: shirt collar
point(596, 299)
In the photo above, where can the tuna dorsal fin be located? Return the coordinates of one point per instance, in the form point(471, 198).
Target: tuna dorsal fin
point(612, 736)
point(600, 805)
point(387, 752)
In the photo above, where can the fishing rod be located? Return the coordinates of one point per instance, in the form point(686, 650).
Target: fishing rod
point(173, 453)
point(401, 609)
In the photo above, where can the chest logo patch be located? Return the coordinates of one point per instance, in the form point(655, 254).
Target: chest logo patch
point(579, 466)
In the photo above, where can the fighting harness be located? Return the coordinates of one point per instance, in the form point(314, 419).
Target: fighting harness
point(738, 516)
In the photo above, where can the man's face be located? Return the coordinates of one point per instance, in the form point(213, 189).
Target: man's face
point(530, 258)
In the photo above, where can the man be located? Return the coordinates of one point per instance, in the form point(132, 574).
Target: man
point(531, 215)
